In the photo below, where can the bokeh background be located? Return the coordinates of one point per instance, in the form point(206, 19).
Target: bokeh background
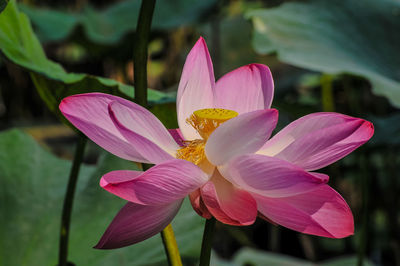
point(325, 55)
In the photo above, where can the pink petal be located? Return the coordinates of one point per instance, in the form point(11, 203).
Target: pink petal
point(135, 223)
point(198, 204)
point(89, 113)
point(246, 133)
point(177, 135)
point(321, 212)
point(317, 140)
point(196, 87)
point(227, 203)
point(161, 184)
point(146, 133)
point(245, 89)
point(269, 176)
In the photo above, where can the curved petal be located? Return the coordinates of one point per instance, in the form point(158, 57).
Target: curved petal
point(161, 184)
point(227, 203)
point(135, 223)
point(321, 212)
point(146, 133)
point(269, 176)
point(89, 113)
point(196, 87)
point(177, 135)
point(246, 133)
point(317, 140)
point(245, 89)
point(198, 204)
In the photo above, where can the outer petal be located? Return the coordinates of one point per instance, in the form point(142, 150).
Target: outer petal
point(177, 135)
point(227, 203)
point(198, 204)
point(89, 113)
point(269, 176)
point(243, 134)
point(321, 212)
point(146, 133)
point(317, 140)
point(245, 89)
point(196, 87)
point(135, 223)
point(161, 184)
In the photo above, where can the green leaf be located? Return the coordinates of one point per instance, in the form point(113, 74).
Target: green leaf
point(33, 183)
point(335, 36)
point(20, 45)
point(249, 256)
point(110, 25)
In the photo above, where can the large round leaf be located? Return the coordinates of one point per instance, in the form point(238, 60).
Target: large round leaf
point(33, 184)
point(336, 36)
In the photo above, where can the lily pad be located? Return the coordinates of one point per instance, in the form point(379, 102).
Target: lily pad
point(19, 44)
point(335, 36)
point(33, 183)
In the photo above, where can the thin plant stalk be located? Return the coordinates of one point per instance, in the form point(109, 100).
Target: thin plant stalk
point(69, 200)
point(140, 54)
point(328, 104)
point(206, 245)
point(171, 247)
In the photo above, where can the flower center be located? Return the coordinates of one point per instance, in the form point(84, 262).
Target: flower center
point(205, 121)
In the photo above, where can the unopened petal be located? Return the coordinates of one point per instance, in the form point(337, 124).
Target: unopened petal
point(135, 223)
point(245, 89)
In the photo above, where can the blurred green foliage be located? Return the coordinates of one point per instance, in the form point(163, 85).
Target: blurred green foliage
point(335, 36)
point(312, 38)
point(33, 182)
point(108, 26)
point(20, 45)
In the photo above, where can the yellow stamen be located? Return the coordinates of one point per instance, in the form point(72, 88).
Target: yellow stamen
point(205, 121)
point(193, 151)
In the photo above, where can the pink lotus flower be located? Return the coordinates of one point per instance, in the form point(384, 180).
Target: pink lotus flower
point(221, 155)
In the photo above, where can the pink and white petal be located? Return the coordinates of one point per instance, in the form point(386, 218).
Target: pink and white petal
point(135, 223)
point(144, 131)
point(196, 87)
point(317, 140)
point(198, 204)
point(161, 184)
point(245, 89)
point(269, 176)
point(89, 113)
point(246, 133)
point(177, 135)
point(321, 212)
point(227, 203)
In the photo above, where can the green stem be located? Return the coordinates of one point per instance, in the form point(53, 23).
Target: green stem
point(328, 104)
point(171, 247)
point(140, 51)
point(364, 179)
point(206, 246)
point(69, 200)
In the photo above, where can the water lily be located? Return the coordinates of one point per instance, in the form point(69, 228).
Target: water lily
point(221, 156)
